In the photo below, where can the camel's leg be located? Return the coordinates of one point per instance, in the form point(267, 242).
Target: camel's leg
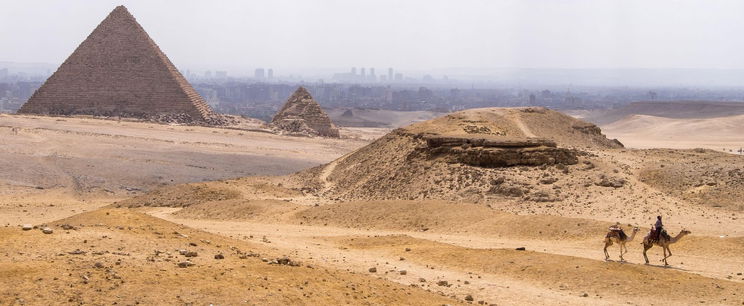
point(664, 248)
point(608, 243)
point(645, 248)
point(607, 255)
point(622, 245)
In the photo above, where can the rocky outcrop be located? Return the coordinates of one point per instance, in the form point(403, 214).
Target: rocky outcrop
point(493, 152)
point(302, 116)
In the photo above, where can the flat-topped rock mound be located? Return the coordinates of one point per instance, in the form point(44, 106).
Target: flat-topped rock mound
point(471, 155)
point(513, 126)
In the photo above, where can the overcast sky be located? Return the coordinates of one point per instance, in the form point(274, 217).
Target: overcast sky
point(411, 34)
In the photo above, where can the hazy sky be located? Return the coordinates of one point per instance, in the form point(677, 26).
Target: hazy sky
point(410, 34)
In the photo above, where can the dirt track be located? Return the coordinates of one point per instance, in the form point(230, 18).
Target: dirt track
point(338, 247)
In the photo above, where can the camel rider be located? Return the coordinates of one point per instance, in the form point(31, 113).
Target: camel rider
point(619, 230)
point(658, 227)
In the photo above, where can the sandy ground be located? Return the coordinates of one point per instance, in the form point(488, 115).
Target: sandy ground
point(54, 166)
point(329, 246)
point(642, 131)
point(360, 252)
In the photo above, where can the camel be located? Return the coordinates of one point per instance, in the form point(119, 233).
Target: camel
point(663, 242)
point(614, 236)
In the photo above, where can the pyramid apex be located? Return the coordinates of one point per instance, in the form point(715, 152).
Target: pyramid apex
point(121, 8)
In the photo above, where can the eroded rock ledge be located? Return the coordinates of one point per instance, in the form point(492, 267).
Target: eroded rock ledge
point(496, 152)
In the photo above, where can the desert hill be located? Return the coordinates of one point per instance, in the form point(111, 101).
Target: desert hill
point(645, 131)
point(671, 109)
point(472, 155)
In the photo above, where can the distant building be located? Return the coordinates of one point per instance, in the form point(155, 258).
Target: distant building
point(3, 73)
point(390, 74)
point(372, 76)
point(220, 74)
point(383, 78)
point(259, 73)
point(271, 74)
point(362, 73)
point(353, 70)
point(399, 77)
point(208, 74)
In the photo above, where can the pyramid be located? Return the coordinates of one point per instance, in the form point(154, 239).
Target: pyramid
point(303, 115)
point(119, 71)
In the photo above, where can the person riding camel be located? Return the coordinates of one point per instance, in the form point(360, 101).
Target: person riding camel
point(658, 228)
point(618, 230)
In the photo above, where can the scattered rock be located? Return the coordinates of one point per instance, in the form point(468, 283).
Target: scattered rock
point(614, 182)
point(285, 261)
point(403, 272)
point(98, 265)
point(219, 256)
point(372, 270)
point(469, 298)
point(185, 264)
point(548, 180)
point(443, 283)
point(68, 227)
point(191, 254)
point(27, 227)
point(521, 249)
point(47, 230)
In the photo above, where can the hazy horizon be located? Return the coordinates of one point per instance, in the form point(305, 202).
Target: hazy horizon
point(411, 35)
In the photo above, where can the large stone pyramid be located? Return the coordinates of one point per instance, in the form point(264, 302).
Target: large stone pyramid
point(302, 115)
point(119, 71)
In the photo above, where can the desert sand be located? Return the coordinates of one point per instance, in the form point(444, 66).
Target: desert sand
point(676, 125)
point(486, 206)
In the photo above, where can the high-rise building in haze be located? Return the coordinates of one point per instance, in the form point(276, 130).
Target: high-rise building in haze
point(390, 74)
point(362, 73)
point(270, 74)
point(353, 70)
point(399, 76)
point(372, 76)
point(259, 73)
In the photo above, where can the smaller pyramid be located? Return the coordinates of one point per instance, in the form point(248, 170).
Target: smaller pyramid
point(303, 115)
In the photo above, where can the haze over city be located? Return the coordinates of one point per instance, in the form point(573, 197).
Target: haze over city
point(421, 37)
